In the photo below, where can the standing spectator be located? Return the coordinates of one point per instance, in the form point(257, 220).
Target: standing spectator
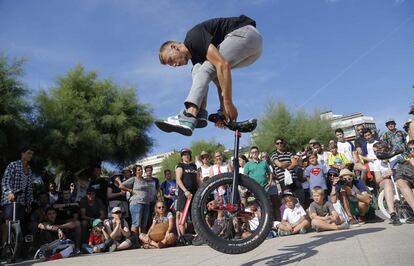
point(186, 177)
point(126, 173)
point(395, 138)
point(323, 214)
point(53, 193)
point(168, 188)
point(139, 200)
point(335, 159)
point(360, 141)
point(205, 167)
point(17, 177)
point(154, 192)
point(345, 147)
point(160, 234)
point(99, 184)
point(118, 230)
point(315, 173)
point(91, 208)
point(242, 163)
point(370, 156)
point(219, 167)
point(259, 171)
point(116, 196)
point(321, 154)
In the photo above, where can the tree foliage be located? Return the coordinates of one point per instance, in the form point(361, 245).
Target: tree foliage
point(296, 128)
point(84, 120)
point(14, 108)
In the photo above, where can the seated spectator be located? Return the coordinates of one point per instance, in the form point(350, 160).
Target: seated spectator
point(168, 188)
point(383, 172)
point(53, 194)
point(99, 240)
point(354, 196)
point(91, 208)
point(118, 230)
point(48, 229)
point(323, 214)
point(117, 197)
point(39, 210)
point(335, 159)
point(404, 178)
point(73, 192)
point(69, 212)
point(160, 234)
point(294, 217)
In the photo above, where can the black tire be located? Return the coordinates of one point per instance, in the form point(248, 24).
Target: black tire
point(16, 242)
point(226, 242)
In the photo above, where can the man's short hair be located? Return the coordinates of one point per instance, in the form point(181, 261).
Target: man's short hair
point(279, 138)
point(339, 130)
point(254, 148)
point(50, 209)
point(164, 47)
point(366, 130)
point(166, 170)
point(26, 148)
point(148, 167)
point(318, 190)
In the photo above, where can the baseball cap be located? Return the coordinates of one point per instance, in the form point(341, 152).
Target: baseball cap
point(185, 150)
point(91, 190)
point(116, 209)
point(96, 222)
point(389, 120)
point(333, 171)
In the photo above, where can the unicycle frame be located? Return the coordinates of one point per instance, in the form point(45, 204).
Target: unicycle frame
point(235, 198)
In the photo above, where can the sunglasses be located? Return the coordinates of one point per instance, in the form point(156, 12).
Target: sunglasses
point(334, 175)
point(160, 207)
point(411, 148)
point(279, 143)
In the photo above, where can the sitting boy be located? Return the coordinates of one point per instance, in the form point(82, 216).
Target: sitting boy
point(323, 214)
point(294, 217)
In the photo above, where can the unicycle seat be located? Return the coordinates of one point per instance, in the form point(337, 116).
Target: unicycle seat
point(243, 126)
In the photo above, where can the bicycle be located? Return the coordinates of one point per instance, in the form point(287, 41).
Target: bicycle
point(13, 245)
point(236, 228)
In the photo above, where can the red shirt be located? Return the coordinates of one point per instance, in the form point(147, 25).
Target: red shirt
point(96, 239)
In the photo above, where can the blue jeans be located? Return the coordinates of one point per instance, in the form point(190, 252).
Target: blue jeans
point(89, 249)
point(139, 215)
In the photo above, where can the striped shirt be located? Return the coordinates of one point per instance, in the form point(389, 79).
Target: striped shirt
point(15, 179)
point(281, 157)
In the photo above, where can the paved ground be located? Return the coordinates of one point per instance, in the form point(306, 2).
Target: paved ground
point(370, 244)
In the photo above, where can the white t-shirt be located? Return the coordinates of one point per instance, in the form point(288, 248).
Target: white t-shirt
point(346, 148)
point(323, 158)
point(223, 169)
point(205, 171)
point(292, 216)
point(371, 154)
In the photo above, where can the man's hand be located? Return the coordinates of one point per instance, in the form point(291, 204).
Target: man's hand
point(230, 111)
point(10, 196)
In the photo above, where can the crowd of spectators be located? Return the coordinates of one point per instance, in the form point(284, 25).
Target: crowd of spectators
point(330, 187)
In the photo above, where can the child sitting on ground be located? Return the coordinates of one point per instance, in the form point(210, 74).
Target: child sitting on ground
point(99, 240)
point(323, 214)
point(294, 217)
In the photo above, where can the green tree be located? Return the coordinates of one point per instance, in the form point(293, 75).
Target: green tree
point(296, 128)
point(14, 109)
point(84, 120)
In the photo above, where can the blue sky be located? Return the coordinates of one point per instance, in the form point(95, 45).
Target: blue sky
point(345, 56)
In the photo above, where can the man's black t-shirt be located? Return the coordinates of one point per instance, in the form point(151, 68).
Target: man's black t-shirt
point(66, 213)
point(101, 187)
point(189, 177)
point(212, 31)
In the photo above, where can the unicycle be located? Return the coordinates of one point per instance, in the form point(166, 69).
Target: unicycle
point(13, 245)
point(219, 217)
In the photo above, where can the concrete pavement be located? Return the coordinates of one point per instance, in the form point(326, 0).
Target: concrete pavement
point(370, 244)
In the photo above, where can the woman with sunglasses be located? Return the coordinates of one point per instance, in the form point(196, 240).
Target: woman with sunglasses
point(160, 234)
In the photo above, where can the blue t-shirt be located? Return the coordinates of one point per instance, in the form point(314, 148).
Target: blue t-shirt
point(316, 175)
point(168, 187)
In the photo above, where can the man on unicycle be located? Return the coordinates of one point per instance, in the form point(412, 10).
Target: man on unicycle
point(214, 47)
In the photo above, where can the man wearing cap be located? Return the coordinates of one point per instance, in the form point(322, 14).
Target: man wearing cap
point(395, 138)
point(215, 47)
point(353, 195)
point(118, 230)
point(186, 178)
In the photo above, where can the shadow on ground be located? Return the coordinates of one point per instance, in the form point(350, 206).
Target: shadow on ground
point(296, 253)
